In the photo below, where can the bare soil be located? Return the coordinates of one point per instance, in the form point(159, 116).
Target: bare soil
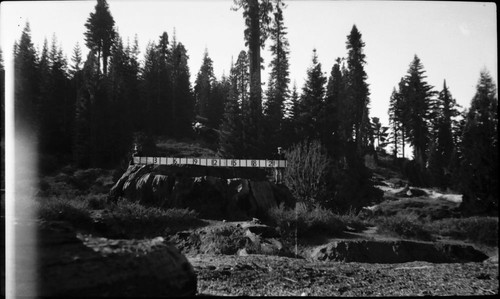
point(268, 275)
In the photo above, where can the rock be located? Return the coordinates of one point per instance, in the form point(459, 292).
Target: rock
point(367, 251)
point(263, 194)
point(90, 267)
point(214, 197)
point(263, 230)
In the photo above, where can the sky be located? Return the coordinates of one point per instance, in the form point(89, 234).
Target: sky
point(454, 40)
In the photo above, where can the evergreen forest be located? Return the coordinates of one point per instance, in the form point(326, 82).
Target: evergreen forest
point(90, 111)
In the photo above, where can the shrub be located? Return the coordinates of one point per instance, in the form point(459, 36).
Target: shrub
point(432, 209)
point(482, 230)
point(95, 202)
point(307, 171)
point(224, 240)
point(305, 220)
point(128, 219)
point(404, 225)
point(61, 209)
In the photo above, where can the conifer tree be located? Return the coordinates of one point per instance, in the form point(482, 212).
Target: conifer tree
point(76, 60)
point(182, 112)
point(203, 87)
point(311, 101)
point(257, 19)
point(335, 122)
point(442, 144)
point(218, 98)
point(357, 91)
point(277, 92)
point(26, 88)
point(418, 95)
point(479, 167)
point(230, 137)
point(100, 32)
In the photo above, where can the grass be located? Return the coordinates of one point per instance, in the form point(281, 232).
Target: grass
point(432, 209)
point(306, 221)
point(224, 240)
point(481, 230)
point(121, 219)
point(408, 226)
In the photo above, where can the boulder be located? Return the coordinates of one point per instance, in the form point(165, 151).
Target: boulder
point(263, 194)
point(214, 197)
point(367, 251)
point(90, 267)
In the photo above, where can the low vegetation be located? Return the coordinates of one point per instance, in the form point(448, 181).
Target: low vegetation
point(306, 221)
point(481, 230)
point(121, 219)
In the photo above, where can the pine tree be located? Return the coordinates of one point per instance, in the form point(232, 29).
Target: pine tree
point(100, 32)
point(230, 138)
point(379, 133)
point(26, 105)
point(257, 21)
point(277, 92)
point(394, 123)
point(335, 123)
point(479, 167)
point(76, 60)
point(357, 91)
point(418, 95)
point(182, 97)
point(311, 101)
point(218, 98)
point(203, 87)
point(442, 146)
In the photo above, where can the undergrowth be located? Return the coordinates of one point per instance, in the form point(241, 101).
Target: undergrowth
point(482, 230)
point(306, 221)
point(120, 219)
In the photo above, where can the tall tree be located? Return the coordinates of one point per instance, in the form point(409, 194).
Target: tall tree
point(358, 92)
point(418, 95)
point(335, 121)
point(76, 60)
point(26, 105)
point(203, 87)
point(277, 92)
point(442, 145)
point(100, 32)
point(479, 168)
point(257, 19)
point(311, 101)
point(230, 137)
point(182, 111)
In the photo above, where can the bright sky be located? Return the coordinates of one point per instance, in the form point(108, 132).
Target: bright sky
point(454, 40)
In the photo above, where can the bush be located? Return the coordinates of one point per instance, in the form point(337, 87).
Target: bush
point(482, 230)
point(404, 225)
point(224, 240)
point(61, 209)
point(431, 209)
point(307, 171)
point(305, 220)
point(128, 219)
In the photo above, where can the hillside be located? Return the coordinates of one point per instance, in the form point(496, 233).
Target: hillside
point(412, 243)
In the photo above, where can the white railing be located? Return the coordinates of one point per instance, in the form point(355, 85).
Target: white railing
point(212, 162)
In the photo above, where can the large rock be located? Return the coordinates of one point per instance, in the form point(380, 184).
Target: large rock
point(366, 251)
point(91, 267)
point(214, 197)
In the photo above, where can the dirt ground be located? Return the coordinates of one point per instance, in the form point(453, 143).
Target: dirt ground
point(259, 275)
point(268, 275)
